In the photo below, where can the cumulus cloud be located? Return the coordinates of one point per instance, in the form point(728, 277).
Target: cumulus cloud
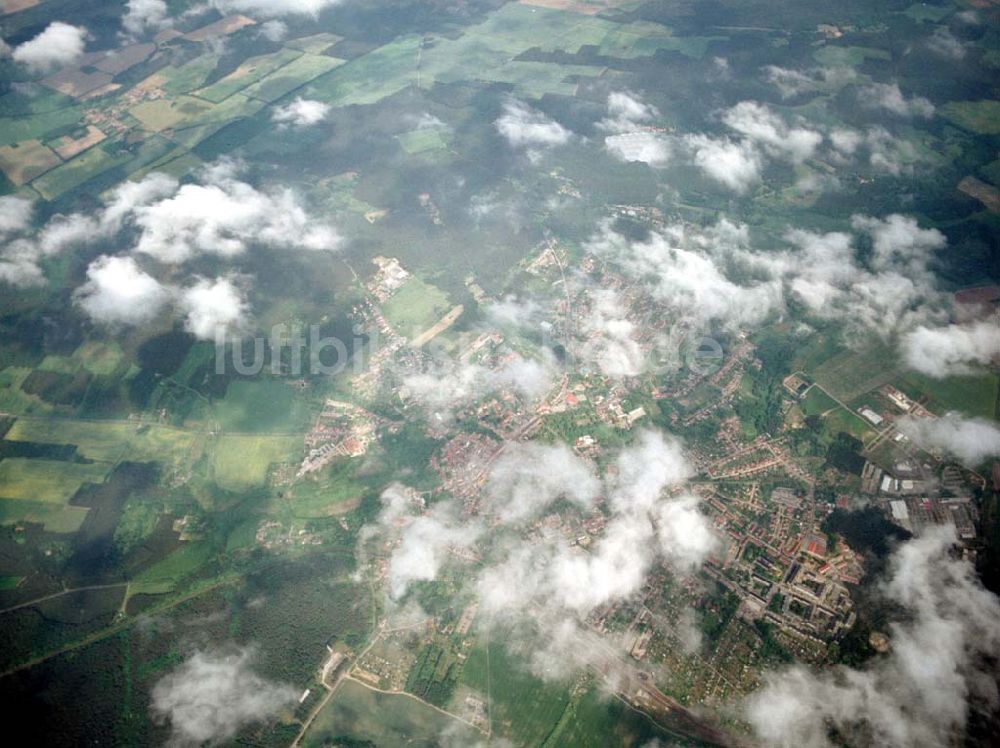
point(223, 215)
point(791, 83)
point(951, 350)
point(627, 111)
point(59, 44)
point(528, 478)
point(117, 291)
point(15, 214)
point(213, 694)
point(885, 152)
point(734, 164)
point(887, 96)
point(301, 113)
point(689, 270)
point(970, 440)
point(757, 123)
point(445, 383)
point(921, 693)
point(610, 342)
point(643, 147)
point(213, 308)
point(631, 138)
point(946, 44)
point(276, 8)
point(528, 129)
point(145, 15)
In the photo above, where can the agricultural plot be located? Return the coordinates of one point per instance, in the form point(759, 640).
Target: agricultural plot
point(294, 75)
point(164, 114)
point(240, 462)
point(817, 402)
point(23, 117)
point(251, 71)
point(314, 44)
point(836, 56)
point(74, 173)
point(849, 374)
point(980, 117)
point(21, 162)
point(271, 406)
point(524, 708)
point(166, 574)
point(971, 396)
point(46, 480)
point(422, 141)
point(370, 78)
point(415, 307)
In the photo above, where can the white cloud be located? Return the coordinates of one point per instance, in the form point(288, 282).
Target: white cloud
point(759, 124)
point(888, 96)
point(736, 165)
point(953, 349)
point(145, 15)
point(223, 215)
point(276, 8)
point(971, 440)
point(527, 128)
point(213, 308)
point(642, 147)
point(15, 214)
point(274, 31)
point(610, 337)
point(59, 44)
point(301, 113)
point(920, 693)
point(688, 270)
point(792, 83)
point(946, 44)
point(626, 112)
point(213, 694)
point(117, 291)
point(527, 478)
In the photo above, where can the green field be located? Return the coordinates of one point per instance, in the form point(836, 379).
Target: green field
point(239, 462)
point(46, 480)
point(524, 708)
point(384, 719)
point(415, 307)
point(58, 518)
point(165, 574)
point(817, 402)
point(421, 141)
point(835, 56)
point(973, 396)
point(250, 71)
point(295, 74)
point(269, 406)
point(980, 117)
point(851, 373)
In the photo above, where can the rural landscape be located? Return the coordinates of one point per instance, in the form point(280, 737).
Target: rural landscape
point(505, 373)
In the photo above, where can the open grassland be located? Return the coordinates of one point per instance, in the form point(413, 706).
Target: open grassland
point(46, 480)
point(972, 396)
point(239, 462)
point(384, 719)
point(15, 400)
point(415, 307)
